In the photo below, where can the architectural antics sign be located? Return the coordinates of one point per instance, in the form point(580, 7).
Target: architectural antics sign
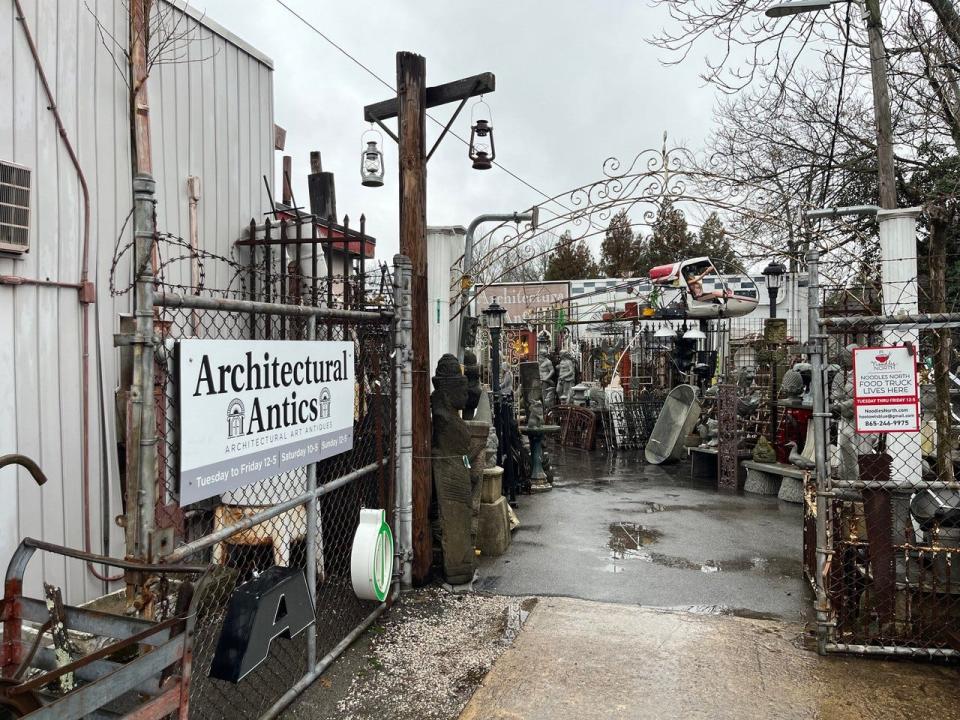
point(251, 409)
point(885, 395)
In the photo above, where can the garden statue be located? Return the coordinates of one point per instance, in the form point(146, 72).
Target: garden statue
point(548, 379)
point(792, 385)
point(763, 451)
point(451, 472)
point(471, 369)
point(566, 375)
point(535, 415)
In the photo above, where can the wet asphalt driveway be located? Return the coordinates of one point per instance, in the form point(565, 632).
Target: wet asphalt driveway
point(618, 530)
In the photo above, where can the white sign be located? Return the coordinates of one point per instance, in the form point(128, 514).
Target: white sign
point(885, 393)
point(252, 409)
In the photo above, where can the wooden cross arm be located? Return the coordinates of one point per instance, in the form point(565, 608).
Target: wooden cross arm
point(437, 95)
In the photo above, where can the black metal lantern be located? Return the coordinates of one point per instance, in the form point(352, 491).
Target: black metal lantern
point(494, 314)
point(774, 273)
point(482, 150)
point(371, 163)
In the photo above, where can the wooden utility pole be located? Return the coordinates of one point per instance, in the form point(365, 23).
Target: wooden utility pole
point(881, 107)
point(410, 108)
point(411, 97)
point(139, 104)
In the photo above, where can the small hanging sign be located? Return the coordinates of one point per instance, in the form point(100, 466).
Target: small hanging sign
point(885, 391)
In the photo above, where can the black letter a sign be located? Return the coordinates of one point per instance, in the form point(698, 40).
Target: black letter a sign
point(275, 604)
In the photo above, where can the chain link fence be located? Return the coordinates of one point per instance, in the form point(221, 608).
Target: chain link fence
point(891, 579)
point(315, 533)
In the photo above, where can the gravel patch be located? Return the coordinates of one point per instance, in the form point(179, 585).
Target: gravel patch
point(424, 659)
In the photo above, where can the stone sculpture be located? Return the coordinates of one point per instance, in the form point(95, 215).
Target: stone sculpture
point(451, 473)
point(792, 384)
point(566, 376)
point(763, 451)
point(535, 415)
point(548, 379)
point(471, 369)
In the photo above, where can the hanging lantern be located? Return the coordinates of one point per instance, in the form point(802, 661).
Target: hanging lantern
point(482, 150)
point(371, 162)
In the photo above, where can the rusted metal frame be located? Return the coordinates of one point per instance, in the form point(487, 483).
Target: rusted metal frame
point(252, 295)
point(172, 300)
point(347, 275)
point(11, 611)
point(282, 297)
point(96, 669)
point(27, 547)
point(272, 511)
point(727, 459)
point(267, 277)
point(87, 621)
point(135, 639)
point(85, 700)
point(362, 290)
point(330, 225)
point(314, 264)
point(328, 250)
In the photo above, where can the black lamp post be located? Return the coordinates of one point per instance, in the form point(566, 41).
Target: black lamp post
point(494, 314)
point(774, 273)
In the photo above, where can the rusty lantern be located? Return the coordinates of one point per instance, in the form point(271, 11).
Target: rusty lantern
point(371, 164)
point(482, 150)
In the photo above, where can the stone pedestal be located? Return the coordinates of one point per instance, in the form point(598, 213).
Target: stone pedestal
point(492, 487)
point(478, 443)
point(791, 490)
point(761, 483)
point(493, 537)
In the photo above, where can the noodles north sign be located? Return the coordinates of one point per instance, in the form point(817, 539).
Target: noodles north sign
point(885, 393)
point(251, 409)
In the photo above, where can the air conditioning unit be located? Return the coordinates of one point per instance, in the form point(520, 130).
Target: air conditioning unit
point(14, 208)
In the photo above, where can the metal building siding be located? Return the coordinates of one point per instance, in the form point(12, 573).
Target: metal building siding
point(212, 118)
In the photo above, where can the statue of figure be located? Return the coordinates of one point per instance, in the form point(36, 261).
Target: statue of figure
point(792, 384)
point(763, 451)
point(535, 415)
point(566, 375)
point(472, 371)
point(451, 473)
point(548, 379)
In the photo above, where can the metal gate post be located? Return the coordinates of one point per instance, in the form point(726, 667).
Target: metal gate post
point(403, 362)
point(142, 441)
point(821, 415)
point(311, 516)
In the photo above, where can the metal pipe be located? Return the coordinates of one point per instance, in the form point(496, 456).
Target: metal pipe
point(933, 320)
point(820, 417)
point(311, 541)
point(172, 300)
point(85, 288)
point(270, 512)
point(404, 382)
point(468, 244)
point(832, 212)
point(18, 280)
point(321, 667)
point(893, 650)
point(144, 427)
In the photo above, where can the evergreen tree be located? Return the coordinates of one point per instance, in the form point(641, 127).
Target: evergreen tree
point(672, 240)
point(571, 260)
point(620, 253)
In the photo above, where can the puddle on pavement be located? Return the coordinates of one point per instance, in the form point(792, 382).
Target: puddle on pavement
point(516, 615)
point(626, 538)
point(774, 566)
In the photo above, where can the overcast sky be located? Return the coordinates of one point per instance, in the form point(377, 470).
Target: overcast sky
point(576, 83)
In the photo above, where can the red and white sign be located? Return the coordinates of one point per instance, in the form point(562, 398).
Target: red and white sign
point(885, 392)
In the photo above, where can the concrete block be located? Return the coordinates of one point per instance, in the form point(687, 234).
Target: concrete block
point(492, 489)
point(761, 483)
point(493, 537)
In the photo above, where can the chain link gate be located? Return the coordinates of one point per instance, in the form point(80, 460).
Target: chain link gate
point(885, 506)
point(305, 518)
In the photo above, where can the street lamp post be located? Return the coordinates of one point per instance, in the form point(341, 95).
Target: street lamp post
point(494, 314)
point(774, 273)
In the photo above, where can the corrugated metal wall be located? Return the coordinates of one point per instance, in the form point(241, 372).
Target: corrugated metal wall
point(212, 117)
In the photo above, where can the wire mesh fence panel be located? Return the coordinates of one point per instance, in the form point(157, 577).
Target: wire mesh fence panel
point(892, 570)
point(224, 530)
